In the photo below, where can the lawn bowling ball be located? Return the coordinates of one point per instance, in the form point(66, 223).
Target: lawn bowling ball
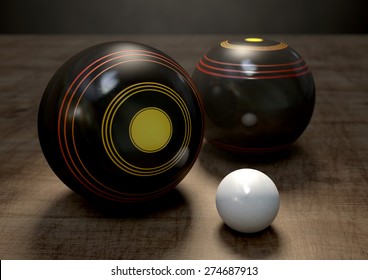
point(258, 95)
point(247, 200)
point(120, 122)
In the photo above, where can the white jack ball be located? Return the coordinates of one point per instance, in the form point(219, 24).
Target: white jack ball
point(247, 200)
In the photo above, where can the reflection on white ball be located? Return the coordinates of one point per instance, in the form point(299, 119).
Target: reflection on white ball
point(247, 200)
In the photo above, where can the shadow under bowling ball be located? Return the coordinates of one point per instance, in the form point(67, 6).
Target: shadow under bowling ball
point(260, 245)
point(220, 163)
point(73, 229)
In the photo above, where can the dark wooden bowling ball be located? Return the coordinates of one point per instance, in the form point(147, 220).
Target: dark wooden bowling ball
point(258, 95)
point(120, 122)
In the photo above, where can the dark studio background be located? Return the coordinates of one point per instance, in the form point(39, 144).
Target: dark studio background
point(183, 16)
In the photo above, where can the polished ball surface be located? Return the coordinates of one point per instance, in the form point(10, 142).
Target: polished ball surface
point(247, 200)
point(121, 122)
point(258, 95)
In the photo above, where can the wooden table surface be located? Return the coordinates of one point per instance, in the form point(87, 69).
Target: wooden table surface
point(323, 180)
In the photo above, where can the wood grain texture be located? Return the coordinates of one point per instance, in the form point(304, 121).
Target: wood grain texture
point(323, 180)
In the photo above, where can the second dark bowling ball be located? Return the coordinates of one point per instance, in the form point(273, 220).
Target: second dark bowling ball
point(258, 95)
